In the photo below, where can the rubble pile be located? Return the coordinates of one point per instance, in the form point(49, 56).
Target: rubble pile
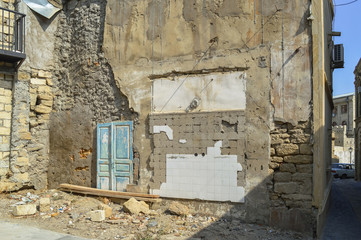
point(99, 218)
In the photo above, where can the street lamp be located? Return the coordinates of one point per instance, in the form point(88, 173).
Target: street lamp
point(350, 150)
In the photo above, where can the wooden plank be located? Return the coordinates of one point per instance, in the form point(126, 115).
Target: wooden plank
point(108, 193)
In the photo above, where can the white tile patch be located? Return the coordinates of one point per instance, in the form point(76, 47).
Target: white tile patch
point(168, 131)
point(210, 177)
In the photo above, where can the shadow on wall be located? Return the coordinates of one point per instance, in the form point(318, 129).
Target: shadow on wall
point(229, 225)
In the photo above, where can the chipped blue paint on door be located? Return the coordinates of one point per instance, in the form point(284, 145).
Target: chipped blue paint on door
point(115, 155)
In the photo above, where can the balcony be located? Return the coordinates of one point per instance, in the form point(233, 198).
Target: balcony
point(12, 36)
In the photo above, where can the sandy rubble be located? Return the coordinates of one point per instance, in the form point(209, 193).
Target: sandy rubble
point(69, 214)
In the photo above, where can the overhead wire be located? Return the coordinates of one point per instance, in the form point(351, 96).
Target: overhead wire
point(344, 4)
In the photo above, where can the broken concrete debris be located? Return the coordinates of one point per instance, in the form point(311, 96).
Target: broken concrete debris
point(44, 204)
point(178, 209)
point(135, 207)
point(97, 215)
point(108, 210)
point(23, 210)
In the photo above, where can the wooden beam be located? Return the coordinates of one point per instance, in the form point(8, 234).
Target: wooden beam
point(108, 193)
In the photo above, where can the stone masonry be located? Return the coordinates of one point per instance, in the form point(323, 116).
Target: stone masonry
point(291, 164)
point(6, 82)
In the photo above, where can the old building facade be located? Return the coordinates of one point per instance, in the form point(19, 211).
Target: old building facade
point(343, 126)
point(225, 104)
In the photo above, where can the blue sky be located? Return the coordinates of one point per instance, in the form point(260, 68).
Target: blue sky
point(347, 21)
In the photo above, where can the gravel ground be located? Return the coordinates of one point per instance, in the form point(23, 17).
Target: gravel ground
point(69, 215)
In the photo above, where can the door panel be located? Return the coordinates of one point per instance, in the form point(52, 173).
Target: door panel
point(115, 155)
point(104, 156)
point(123, 155)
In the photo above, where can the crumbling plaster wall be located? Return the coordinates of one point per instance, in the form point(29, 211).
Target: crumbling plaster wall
point(270, 40)
point(64, 88)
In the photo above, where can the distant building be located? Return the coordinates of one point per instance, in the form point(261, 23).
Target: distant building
point(343, 113)
point(343, 126)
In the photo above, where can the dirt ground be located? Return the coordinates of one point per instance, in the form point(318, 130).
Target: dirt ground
point(69, 212)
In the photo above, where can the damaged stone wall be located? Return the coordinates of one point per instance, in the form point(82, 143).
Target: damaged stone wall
point(269, 40)
point(101, 58)
point(292, 167)
point(86, 94)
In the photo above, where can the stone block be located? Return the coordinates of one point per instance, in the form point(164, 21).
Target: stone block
point(42, 109)
point(300, 138)
point(304, 168)
point(22, 161)
point(23, 76)
point(273, 165)
point(22, 177)
point(37, 81)
point(97, 215)
point(272, 151)
point(8, 107)
point(135, 207)
point(44, 74)
point(5, 100)
point(300, 177)
point(44, 96)
point(277, 159)
point(299, 159)
point(282, 177)
point(287, 149)
point(25, 136)
point(306, 149)
point(178, 209)
point(23, 210)
point(288, 167)
point(107, 209)
point(44, 204)
point(49, 82)
point(288, 188)
point(5, 115)
point(4, 131)
point(44, 89)
point(297, 197)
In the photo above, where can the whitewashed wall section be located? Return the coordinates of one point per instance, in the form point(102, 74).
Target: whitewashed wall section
point(216, 91)
point(210, 177)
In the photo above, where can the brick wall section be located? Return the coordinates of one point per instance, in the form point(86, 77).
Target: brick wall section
point(201, 130)
point(291, 164)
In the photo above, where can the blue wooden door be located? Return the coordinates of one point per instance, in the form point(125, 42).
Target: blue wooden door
point(114, 155)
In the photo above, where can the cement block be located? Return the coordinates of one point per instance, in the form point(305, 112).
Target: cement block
point(22, 210)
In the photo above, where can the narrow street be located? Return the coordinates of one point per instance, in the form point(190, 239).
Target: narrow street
point(344, 217)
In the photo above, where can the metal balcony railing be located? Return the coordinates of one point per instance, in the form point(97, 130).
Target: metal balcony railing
point(12, 35)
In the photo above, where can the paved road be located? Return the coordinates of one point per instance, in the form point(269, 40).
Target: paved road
point(344, 220)
point(14, 231)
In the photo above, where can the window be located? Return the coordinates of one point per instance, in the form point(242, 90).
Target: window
point(344, 108)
